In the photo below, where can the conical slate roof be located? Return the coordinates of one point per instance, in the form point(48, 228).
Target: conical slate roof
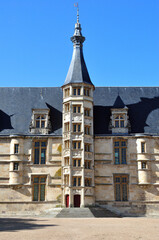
point(119, 103)
point(77, 72)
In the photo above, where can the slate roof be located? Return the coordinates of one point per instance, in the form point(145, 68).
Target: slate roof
point(16, 106)
point(119, 103)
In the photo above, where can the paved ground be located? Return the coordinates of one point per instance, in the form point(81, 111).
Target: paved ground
point(75, 229)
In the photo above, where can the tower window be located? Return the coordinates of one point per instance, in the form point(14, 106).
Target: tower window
point(87, 147)
point(67, 92)
point(87, 182)
point(76, 91)
point(143, 165)
point(76, 109)
point(16, 148)
point(77, 162)
point(76, 181)
point(87, 130)
point(15, 166)
point(87, 91)
point(77, 145)
point(76, 127)
point(67, 107)
point(143, 146)
point(87, 112)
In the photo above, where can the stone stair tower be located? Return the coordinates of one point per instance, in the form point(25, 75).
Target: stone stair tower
point(78, 145)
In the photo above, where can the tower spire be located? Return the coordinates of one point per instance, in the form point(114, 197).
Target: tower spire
point(76, 5)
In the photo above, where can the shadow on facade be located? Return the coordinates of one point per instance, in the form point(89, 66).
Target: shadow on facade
point(138, 114)
point(55, 118)
point(17, 224)
point(5, 121)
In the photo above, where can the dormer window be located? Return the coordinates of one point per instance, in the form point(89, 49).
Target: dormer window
point(119, 122)
point(40, 122)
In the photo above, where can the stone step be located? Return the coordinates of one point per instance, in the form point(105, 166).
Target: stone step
point(92, 212)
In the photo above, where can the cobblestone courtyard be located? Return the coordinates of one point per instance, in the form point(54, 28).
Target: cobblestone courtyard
point(74, 229)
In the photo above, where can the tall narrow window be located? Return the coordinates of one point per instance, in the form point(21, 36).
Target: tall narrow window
point(16, 148)
point(121, 187)
point(76, 181)
point(120, 151)
point(76, 145)
point(143, 147)
point(39, 183)
point(76, 108)
point(40, 152)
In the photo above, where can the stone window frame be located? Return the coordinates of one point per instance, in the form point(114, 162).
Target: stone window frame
point(119, 121)
point(143, 147)
point(120, 148)
point(76, 108)
point(88, 182)
point(76, 181)
point(121, 180)
point(76, 162)
point(76, 127)
point(40, 121)
point(16, 148)
point(39, 184)
point(40, 148)
point(76, 91)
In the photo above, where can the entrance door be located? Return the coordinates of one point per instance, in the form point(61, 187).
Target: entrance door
point(77, 200)
point(67, 200)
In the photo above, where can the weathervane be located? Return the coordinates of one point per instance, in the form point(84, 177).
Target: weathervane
point(76, 5)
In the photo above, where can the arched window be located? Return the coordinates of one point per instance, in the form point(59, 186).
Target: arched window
point(119, 122)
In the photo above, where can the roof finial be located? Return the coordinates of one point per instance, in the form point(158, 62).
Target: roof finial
point(76, 5)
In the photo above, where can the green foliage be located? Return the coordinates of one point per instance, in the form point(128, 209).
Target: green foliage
point(58, 173)
point(59, 198)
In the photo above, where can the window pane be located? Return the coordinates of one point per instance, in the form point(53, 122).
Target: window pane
point(123, 144)
point(124, 192)
point(74, 128)
point(37, 144)
point(42, 179)
point(37, 124)
point(36, 180)
point(74, 91)
point(117, 179)
point(36, 156)
point(36, 192)
point(43, 144)
point(117, 158)
point(74, 163)
point(123, 155)
point(79, 163)
point(42, 192)
point(79, 91)
point(79, 145)
point(74, 109)
point(79, 128)
point(42, 124)
point(43, 156)
point(116, 124)
point(117, 192)
point(122, 123)
point(116, 144)
point(74, 182)
point(79, 181)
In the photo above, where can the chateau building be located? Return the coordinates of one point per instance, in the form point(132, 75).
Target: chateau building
point(79, 145)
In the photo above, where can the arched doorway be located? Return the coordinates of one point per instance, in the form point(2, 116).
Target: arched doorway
point(67, 200)
point(77, 200)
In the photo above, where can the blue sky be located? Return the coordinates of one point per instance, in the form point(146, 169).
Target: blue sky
point(121, 47)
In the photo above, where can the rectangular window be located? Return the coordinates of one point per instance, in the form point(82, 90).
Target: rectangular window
point(15, 166)
point(39, 183)
point(67, 127)
point(67, 92)
point(76, 127)
point(87, 130)
point(121, 187)
point(16, 148)
point(40, 152)
point(77, 162)
point(76, 181)
point(120, 151)
point(76, 145)
point(86, 91)
point(143, 147)
point(76, 91)
point(67, 144)
point(87, 182)
point(76, 109)
point(143, 165)
point(87, 147)
point(67, 107)
point(87, 164)
point(66, 161)
point(87, 112)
